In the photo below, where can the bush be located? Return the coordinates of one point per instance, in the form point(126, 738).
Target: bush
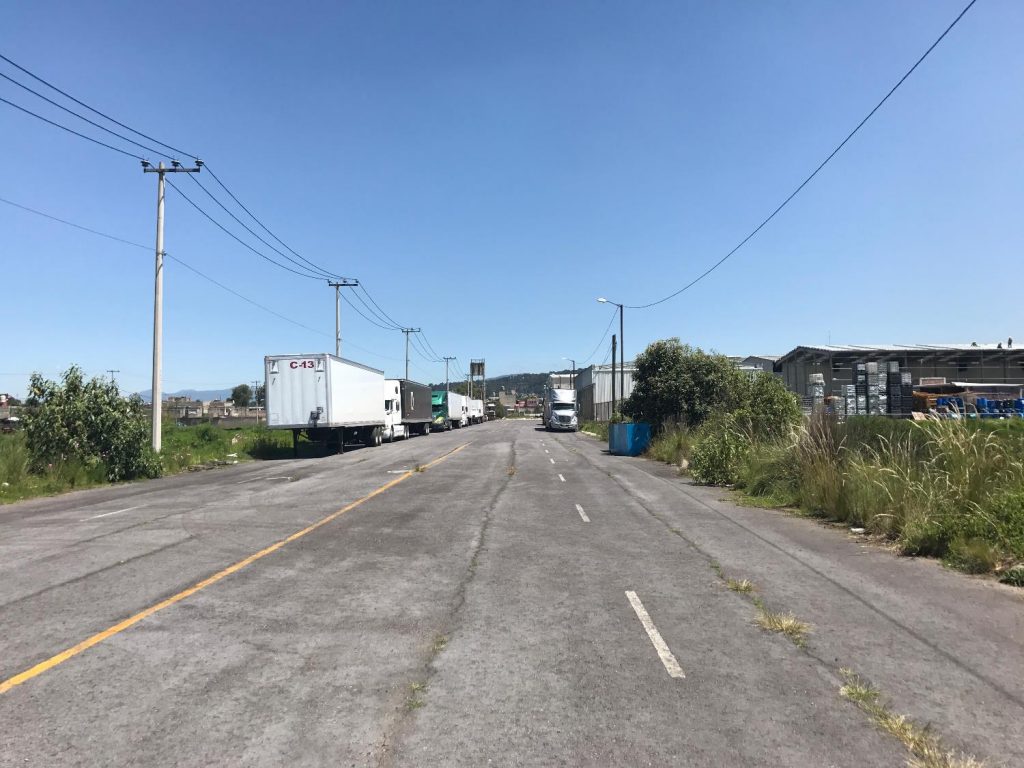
point(671, 446)
point(676, 384)
point(718, 451)
point(87, 423)
point(769, 410)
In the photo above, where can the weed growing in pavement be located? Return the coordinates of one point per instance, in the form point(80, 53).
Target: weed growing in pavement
point(419, 468)
point(743, 586)
point(926, 749)
point(439, 644)
point(784, 623)
point(717, 568)
point(511, 472)
point(415, 699)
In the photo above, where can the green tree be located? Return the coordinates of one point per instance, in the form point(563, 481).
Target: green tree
point(242, 395)
point(678, 384)
point(770, 410)
point(87, 422)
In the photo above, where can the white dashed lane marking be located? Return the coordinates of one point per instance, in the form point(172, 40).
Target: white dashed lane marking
point(671, 665)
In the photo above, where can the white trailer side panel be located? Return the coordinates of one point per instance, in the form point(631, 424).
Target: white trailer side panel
point(356, 393)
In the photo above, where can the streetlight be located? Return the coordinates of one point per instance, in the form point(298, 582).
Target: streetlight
point(622, 348)
point(572, 379)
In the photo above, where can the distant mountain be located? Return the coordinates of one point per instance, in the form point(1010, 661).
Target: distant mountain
point(521, 383)
point(192, 394)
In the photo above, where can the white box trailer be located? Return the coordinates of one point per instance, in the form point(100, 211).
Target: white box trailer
point(458, 409)
point(330, 399)
point(476, 411)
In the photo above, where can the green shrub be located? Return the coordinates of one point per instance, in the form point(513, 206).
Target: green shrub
point(1013, 576)
point(87, 423)
point(718, 451)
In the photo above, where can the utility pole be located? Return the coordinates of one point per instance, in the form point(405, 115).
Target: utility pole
point(343, 283)
point(613, 377)
point(111, 371)
point(158, 288)
point(407, 331)
point(447, 386)
point(256, 398)
point(622, 356)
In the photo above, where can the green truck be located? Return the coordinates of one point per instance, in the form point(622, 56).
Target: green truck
point(439, 411)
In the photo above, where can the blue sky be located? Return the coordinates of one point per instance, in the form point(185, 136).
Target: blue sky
point(488, 169)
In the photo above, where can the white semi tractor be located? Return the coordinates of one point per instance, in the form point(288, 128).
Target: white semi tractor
point(560, 410)
point(336, 401)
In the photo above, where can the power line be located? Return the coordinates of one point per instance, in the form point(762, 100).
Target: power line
point(168, 255)
point(235, 237)
point(36, 77)
point(69, 130)
point(83, 117)
point(266, 229)
point(380, 321)
point(806, 181)
point(381, 311)
point(188, 267)
point(250, 231)
point(605, 336)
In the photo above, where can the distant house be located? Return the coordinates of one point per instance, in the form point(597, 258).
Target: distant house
point(181, 408)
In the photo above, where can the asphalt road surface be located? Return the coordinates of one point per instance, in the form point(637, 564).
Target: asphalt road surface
point(495, 595)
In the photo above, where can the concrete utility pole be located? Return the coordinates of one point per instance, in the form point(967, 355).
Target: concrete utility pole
point(407, 331)
point(343, 283)
point(256, 399)
point(447, 386)
point(613, 376)
point(158, 289)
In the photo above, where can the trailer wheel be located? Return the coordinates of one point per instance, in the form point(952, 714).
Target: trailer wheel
point(378, 436)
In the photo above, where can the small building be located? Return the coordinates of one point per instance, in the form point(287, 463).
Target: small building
point(926, 363)
point(594, 390)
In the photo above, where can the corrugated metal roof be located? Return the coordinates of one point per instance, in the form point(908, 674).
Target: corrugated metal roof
point(901, 348)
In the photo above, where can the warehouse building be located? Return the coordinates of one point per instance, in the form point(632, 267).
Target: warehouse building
point(927, 363)
point(594, 390)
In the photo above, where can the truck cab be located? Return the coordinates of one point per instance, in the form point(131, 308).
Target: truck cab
point(441, 422)
point(560, 410)
point(394, 429)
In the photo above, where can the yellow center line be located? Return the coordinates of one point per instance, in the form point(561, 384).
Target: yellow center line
point(121, 626)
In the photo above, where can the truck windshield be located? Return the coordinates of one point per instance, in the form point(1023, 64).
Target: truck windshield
point(562, 406)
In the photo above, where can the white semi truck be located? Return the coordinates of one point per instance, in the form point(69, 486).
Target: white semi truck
point(560, 410)
point(406, 409)
point(330, 399)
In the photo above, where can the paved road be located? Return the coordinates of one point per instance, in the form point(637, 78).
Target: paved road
point(526, 600)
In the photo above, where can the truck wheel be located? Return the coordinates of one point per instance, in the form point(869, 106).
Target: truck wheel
point(378, 437)
point(426, 430)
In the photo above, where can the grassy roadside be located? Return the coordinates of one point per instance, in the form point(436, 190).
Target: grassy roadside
point(953, 490)
point(596, 428)
point(183, 448)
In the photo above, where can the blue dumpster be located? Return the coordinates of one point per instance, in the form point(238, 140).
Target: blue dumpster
point(628, 439)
